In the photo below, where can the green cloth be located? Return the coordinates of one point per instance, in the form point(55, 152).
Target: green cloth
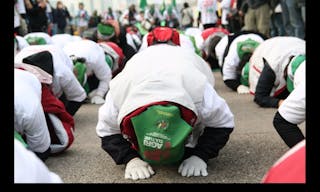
point(174, 3)
point(109, 61)
point(295, 63)
point(19, 138)
point(142, 31)
point(80, 72)
point(161, 134)
point(193, 40)
point(36, 41)
point(143, 4)
point(247, 46)
point(86, 88)
point(163, 23)
point(105, 30)
point(163, 7)
point(244, 79)
point(169, 10)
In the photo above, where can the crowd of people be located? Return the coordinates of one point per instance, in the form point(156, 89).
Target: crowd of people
point(116, 60)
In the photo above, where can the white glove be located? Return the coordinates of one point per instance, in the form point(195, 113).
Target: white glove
point(92, 93)
point(97, 100)
point(138, 169)
point(193, 166)
point(242, 89)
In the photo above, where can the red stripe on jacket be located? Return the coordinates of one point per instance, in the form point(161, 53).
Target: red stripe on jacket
point(53, 105)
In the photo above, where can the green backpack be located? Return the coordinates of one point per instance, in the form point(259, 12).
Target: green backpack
point(161, 134)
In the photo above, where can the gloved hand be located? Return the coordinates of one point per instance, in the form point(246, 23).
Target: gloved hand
point(97, 100)
point(138, 169)
point(92, 93)
point(242, 89)
point(193, 166)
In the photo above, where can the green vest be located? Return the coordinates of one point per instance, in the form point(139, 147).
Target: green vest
point(161, 134)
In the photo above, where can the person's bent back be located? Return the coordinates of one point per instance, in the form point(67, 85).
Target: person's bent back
point(267, 67)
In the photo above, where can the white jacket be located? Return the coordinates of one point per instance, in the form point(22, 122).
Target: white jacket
point(64, 81)
point(277, 52)
point(95, 61)
point(28, 168)
point(29, 117)
point(293, 108)
point(175, 75)
point(231, 61)
point(62, 39)
point(22, 42)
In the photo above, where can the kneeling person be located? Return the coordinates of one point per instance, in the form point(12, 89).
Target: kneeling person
point(161, 116)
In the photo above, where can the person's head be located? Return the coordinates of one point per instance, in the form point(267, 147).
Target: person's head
point(245, 50)
point(105, 31)
point(81, 6)
point(59, 5)
point(90, 34)
point(185, 5)
point(43, 60)
point(110, 10)
point(114, 56)
point(42, 3)
point(79, 69)
point(95, 13)
point(163, 35)
point(243, 69)
point(208, 50)
point(161, 133)
point(132, 8)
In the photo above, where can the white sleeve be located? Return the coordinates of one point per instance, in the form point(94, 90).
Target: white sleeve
point(28, 168)
point(231, 63)
point(29, 118)
point(107, 119)
point(214, 110)
point(293, 108)
point(102, 72)
point(36, 130)
point(71, 86)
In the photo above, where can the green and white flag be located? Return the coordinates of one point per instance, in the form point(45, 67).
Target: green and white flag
point(163, 7)
point(173, 3)
point(143, 4)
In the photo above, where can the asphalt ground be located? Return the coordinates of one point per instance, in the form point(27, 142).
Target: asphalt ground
point(252, 149)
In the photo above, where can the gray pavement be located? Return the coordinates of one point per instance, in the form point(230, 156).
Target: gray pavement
point(253, 147)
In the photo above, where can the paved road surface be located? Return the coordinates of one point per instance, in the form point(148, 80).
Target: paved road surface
point(253, 147)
